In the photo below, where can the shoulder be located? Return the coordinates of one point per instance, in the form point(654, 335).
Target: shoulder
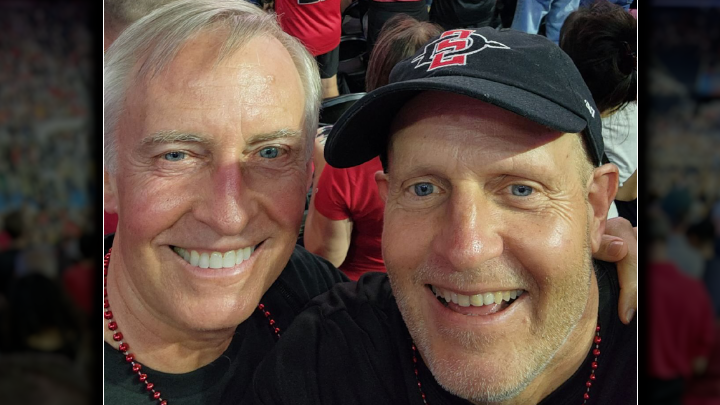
point(343, 342)
point(371, 291)
point(308, 275)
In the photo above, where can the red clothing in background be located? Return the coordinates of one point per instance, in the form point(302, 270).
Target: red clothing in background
point(78, 283)
point(705, 389)
point(317, 24)
point(681, 322)
point(352, 193)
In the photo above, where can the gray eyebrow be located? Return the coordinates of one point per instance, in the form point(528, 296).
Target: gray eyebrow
point(283, 133)
point(174, 136)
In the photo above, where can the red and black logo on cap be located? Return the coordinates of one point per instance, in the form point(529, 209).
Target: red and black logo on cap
point(452, 49)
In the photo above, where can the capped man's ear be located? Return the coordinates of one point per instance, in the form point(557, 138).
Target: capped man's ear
point(109, 193)
point(382, 184)
point(602, 187)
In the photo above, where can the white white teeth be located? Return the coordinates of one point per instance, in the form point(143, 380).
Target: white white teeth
point(204, 261)
point(215, 260)
point(229, 259)
point(477, 300)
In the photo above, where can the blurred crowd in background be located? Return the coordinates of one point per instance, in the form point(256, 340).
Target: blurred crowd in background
point(683, 205)
point(46, 188)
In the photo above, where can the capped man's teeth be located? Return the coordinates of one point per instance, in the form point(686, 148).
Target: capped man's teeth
point(477, 300)
point(215, 260)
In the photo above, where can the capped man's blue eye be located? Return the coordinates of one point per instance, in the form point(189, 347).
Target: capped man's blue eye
point(269, 152)
point(174, 156)
point(521, 190)
point(423, 189)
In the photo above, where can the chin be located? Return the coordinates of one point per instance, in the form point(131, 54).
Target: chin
point(480, 378)
point(220, 313)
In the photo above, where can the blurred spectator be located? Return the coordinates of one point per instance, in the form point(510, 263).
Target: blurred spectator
point(381, 11)
point(529, 13)
point(42, 319)
point(625, 4)
point(602, 41)
point(681, 330)
point(676, 205)
point(705, 389)
point(344, 222)
point(317, 24)
point(13, 230)
point(452, 14)
point(78, 278)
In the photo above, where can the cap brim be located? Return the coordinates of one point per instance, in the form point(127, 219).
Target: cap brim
point(361, 133)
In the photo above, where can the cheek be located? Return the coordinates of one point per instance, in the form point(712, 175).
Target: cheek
point(148, 207)
point(547, 249)
point(283, 195)
point(406, 241)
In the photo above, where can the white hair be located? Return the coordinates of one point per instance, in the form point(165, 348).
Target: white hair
point(157, 38)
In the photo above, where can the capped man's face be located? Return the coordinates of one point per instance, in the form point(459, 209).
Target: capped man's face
point(486, 241)
point(211, 182)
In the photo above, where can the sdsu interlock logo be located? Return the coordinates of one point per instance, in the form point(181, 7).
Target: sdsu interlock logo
point(453, 48)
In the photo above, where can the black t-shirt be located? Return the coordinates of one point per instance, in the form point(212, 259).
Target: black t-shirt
point(225, 380)
point(351, 346)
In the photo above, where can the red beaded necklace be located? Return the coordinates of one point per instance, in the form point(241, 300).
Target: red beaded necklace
point(588, 384)
point(124, 347)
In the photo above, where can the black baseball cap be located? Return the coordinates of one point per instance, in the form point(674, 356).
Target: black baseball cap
point(523, 73)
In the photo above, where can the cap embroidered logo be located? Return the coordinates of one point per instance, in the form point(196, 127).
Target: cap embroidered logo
point(452, 49)
point(590, 108)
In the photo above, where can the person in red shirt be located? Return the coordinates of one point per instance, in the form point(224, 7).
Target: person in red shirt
point(681, 330)
point(317, 24)
point(344, 223)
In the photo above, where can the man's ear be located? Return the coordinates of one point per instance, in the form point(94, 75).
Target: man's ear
point(109, 193)
point(602, 187)
point(382, 184)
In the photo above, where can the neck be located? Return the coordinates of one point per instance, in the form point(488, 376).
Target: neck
point(154, 341)
point(568, 358)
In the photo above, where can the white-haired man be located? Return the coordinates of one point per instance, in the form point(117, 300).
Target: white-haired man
point(210, 115)
point(496, 193)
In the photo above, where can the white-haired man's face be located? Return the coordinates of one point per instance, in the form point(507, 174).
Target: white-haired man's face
point(210, 184)
point(488, 234)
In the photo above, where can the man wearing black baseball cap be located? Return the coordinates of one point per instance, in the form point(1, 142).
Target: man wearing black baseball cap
point(496, 197)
